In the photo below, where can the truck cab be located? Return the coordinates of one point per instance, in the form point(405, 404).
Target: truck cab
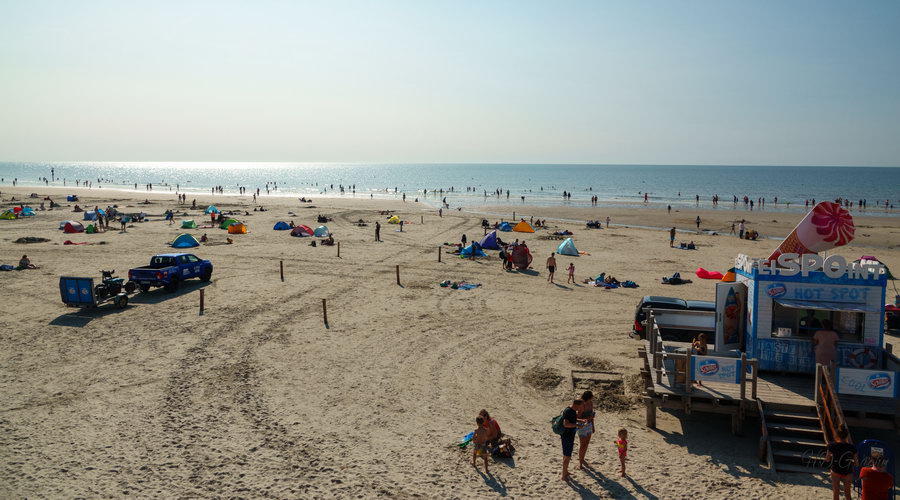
point(169, 270)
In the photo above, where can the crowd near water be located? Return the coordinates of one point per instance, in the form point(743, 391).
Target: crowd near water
point(786, 189)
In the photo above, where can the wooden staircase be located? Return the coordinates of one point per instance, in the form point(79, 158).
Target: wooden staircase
point(794, 441)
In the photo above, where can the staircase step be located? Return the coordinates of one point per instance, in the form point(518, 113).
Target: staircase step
point(791, 415)
point(797, 441)
point(797, 468)
point(795, 428)
point(811, 455)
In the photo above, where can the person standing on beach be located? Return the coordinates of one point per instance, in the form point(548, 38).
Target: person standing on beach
point(587, 430)
point(698, 223)
point(570, 425)
point(672, 237)
point(571, 270)
point(669, 209)
point(551, 267)
point(607, 222)
point(843, 458)
point(377, 231)
point(742, 228)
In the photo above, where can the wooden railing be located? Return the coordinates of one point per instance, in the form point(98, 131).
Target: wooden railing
point(659, 355)
point(828, 406)
point(765, 450)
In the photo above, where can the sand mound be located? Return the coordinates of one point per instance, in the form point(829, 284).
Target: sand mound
point(542, 378)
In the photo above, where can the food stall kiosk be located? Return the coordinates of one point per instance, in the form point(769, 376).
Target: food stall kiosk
point(774, 307)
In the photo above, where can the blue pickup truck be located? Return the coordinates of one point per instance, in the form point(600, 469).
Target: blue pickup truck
point(169, 270)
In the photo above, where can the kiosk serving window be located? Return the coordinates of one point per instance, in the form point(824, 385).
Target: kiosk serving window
point(804, 319)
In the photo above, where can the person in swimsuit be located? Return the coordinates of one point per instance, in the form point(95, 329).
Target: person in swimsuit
point(622, 447)
point(551, 267)
point(843, 458)
point(585, 432)
point(481, 444)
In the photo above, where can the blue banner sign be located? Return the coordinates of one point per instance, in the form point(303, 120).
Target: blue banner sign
point(716, 369)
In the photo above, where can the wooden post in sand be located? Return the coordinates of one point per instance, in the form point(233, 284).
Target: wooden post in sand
point(439, 254)
point(421, 219)
point(281, 265)
point(339, 249)
point(325, 312)
point(201, 301)
point(514, 216)
point(398, 274)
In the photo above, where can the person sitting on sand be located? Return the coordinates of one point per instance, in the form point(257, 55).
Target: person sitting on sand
point(25, 263)
point(229, 241)
point(479, 439)
point(204, 238)
point(328, 241)
point(493, 429)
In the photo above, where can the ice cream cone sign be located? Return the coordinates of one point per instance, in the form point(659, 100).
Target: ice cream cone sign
point(828, 225)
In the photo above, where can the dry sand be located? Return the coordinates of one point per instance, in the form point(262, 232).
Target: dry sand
point(257, 398)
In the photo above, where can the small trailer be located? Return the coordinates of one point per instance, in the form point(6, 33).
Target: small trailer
point(79, 292)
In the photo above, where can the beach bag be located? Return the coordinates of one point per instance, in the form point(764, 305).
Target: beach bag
point(557, 423)
point(505, 449)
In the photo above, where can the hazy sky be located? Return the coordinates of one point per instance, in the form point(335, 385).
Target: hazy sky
point(721, 82)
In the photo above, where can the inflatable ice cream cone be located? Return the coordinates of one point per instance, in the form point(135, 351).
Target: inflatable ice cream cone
point(828, 225)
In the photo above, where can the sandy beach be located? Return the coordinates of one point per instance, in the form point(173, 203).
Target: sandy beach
point(258, 398)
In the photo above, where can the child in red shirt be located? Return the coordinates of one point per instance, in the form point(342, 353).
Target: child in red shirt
point(622, 446)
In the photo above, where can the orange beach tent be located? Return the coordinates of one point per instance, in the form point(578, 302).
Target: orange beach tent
point(523, 227)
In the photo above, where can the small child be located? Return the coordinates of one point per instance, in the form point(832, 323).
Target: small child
point(622, 446)
point(571, 270)
point(481, 444)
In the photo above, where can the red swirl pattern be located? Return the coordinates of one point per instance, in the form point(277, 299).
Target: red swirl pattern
point(833, 223)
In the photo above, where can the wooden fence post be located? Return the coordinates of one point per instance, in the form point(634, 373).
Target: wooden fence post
point(339, 249)
point(421, 219)
point(281, 265)
point(743, 376)
point(398, 274)
point(439, 254)
point(325, 312)
point(202, 304)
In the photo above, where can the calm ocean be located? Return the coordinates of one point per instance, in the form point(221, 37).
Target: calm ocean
point(615, 185)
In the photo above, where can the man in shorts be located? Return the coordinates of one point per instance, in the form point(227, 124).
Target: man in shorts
point(570, 427)
point(842, 456)
point(551, 267)
point(672, 237)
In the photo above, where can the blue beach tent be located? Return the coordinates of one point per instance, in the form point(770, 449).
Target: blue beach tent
point(504, 226)
point(185, 241)
point(567, 247)
point(321, 231)
point(473, 247)
point(212, 209)
point(27, 212)
point(490, 241)
point(281, 226)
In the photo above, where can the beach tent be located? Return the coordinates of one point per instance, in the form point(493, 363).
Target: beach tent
point(490, 241)
point(27, 212)
point(281, 226)
point(505, 227)
point(523, 227)
point(188, 224)
point(73, 227)
point(71, 197)
point(473, 247)
point(394, 220)
point(522, 257)
point(90, 229)
point(301, 231)
point(321, 231)
point(90, 215)
point(7, 215)
point(17, 210)
point(227, 222)
point(185, 241)
point(211, 210)
point(567, 247)
point(237, 228)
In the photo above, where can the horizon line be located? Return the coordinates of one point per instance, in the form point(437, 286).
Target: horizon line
point(457, 163)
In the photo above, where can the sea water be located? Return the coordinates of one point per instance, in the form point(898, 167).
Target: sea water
point(542, 185)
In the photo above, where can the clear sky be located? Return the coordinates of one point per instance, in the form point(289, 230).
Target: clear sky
point(684, 82)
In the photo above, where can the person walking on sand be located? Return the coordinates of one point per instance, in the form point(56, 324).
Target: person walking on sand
point(551, 267)
point(607, 222)
point(672, 237)
point(742, 228)
point(843, 458)
point(698, 223)
point(571, 269)
point(377, 231)
point(570, 426)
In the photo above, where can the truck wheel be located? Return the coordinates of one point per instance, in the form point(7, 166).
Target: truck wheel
point(130, 286)
point(122, 301)
point(173, 285)
point(145, 288)
point(206, 275)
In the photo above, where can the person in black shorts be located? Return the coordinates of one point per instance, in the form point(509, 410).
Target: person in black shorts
point(842, 456)
point(551, 267)
point(570, 426)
